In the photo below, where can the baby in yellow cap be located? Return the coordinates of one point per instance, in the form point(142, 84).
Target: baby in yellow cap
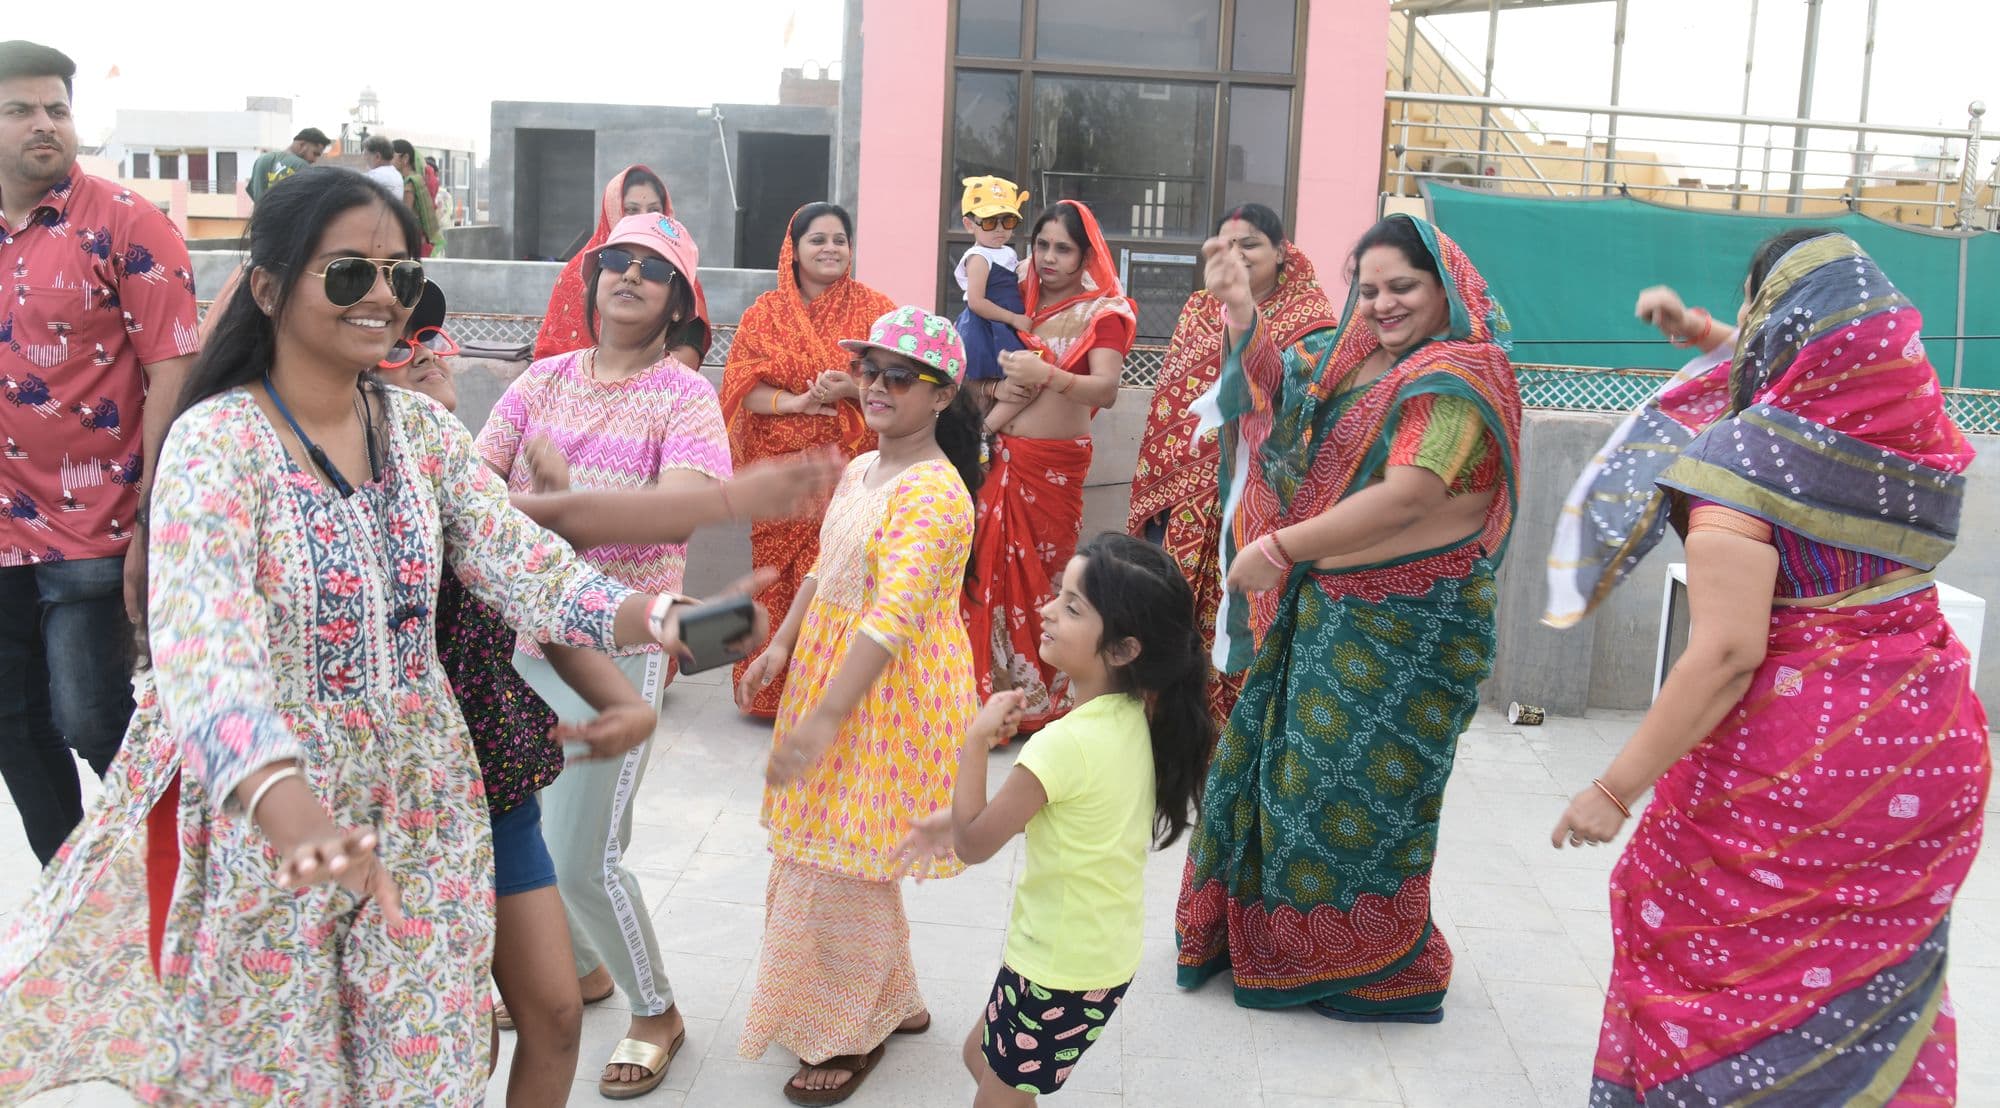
point(994, 312)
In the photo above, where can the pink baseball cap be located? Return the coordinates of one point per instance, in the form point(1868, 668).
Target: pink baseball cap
point(669, 238)
point(918, 335)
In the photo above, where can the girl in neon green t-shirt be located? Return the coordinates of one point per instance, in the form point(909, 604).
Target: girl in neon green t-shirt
point(1122, 771)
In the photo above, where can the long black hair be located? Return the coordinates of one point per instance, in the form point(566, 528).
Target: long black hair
point(680, 303)
point(1139, 593)
point(1072, 223)
point(802, 221)
point(958, 435)
point(1399, 231)
point(285, 232)
point(1776, 247)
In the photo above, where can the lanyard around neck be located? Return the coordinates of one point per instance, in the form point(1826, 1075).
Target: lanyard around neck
point(313, 450)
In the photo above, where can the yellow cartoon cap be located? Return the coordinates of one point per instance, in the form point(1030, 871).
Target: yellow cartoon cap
point(986, 196)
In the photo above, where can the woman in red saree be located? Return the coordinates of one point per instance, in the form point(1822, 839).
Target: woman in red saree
point(1781, 914)
point(787, 388)
point(1031, 504)
point(1175, 502)
point(635, 190)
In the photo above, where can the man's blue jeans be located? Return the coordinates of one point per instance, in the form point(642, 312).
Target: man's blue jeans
point(65, 677)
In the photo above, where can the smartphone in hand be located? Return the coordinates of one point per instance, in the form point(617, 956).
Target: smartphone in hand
point(714, 633)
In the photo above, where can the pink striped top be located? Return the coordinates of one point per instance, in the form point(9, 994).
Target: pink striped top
point(616, 435)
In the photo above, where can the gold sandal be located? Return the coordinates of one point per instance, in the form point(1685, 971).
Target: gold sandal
point(635, 1052)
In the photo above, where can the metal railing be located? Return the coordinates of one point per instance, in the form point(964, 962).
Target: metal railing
point(1557, 387)
point(1597, 151)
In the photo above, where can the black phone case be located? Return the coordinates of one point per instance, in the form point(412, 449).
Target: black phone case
point(706, 630)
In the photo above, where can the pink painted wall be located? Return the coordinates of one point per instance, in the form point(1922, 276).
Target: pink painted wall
point(1340, 147)
point(903, 74)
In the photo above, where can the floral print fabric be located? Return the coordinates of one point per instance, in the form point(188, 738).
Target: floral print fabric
point(288, 622)
point(891, 561)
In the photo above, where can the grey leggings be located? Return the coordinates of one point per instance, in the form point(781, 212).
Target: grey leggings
point(587, 823)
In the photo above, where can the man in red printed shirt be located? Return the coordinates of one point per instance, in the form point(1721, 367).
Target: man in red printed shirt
point(96, 312)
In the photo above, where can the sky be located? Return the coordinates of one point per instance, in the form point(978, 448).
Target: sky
point(1932, 57)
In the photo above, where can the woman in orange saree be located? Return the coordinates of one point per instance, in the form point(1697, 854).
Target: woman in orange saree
point(1175, 502)
point(1031, 503)
point(786, 387)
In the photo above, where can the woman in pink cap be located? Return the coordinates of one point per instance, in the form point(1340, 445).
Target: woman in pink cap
point(881, 689)
point(622, 413)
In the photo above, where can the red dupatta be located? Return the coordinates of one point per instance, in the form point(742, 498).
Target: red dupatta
point(785, 342)
point(563, 328)
point(1099, 314)
point(1177, 464)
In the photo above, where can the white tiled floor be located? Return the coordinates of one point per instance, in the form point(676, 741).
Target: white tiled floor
point(1528, 923)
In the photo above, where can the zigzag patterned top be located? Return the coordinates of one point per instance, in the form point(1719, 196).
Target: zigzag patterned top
point(615, 435)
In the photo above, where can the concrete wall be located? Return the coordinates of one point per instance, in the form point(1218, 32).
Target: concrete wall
point(1604, 662)
point(1340, 134)
point(678, 144)
point(478, 242)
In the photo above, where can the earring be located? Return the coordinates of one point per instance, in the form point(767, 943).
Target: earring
point(677, 317)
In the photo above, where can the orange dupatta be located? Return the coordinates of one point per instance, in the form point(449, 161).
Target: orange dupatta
point(786, 343)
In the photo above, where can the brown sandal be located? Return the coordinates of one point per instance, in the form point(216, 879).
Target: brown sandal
point(857, 1066)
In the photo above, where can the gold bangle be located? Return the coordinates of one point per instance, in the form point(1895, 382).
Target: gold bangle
point(776, 392)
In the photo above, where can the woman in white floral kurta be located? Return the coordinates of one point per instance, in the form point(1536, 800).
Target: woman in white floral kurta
point(289, 622)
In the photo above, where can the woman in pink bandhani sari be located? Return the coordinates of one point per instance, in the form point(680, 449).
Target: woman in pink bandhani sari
point(1031, 503)
point(1818, 763)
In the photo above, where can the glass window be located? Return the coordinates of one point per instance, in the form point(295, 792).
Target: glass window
point(1152, 34)
point(985, 132)
point(1257, 163)
point(989, 28)
point(170, 167)
point(142, 165)
point(1265, 36)
point(1139, 153)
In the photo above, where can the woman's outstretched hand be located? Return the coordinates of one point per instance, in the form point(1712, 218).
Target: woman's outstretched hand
point(1591, 819)
point(785, 488)
point(617, 730)
point(348, 859)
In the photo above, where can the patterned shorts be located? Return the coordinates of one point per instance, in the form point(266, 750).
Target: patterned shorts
point(1034, 1035)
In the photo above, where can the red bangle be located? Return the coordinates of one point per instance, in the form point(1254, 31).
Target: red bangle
point(1707, 325)
point(1264, 548)
point(1611, 796)
point(1275, 541)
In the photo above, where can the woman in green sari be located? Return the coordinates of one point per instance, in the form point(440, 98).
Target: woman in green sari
point(1371, 472)
point(417, 197)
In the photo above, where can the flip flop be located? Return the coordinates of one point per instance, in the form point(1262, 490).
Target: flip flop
point(653, 1059)
point(858, 1066)
point(504, 1020)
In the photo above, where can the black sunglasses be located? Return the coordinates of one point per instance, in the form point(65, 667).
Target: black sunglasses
point(896, 379)
point(615, 261)
point(404, 351)
point(350, 279)
point(996, 222)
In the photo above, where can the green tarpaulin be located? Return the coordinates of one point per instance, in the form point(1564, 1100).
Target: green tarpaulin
point(1569, 269)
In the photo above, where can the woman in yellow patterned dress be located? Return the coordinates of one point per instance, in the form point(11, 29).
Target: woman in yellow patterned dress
point(880, 692)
